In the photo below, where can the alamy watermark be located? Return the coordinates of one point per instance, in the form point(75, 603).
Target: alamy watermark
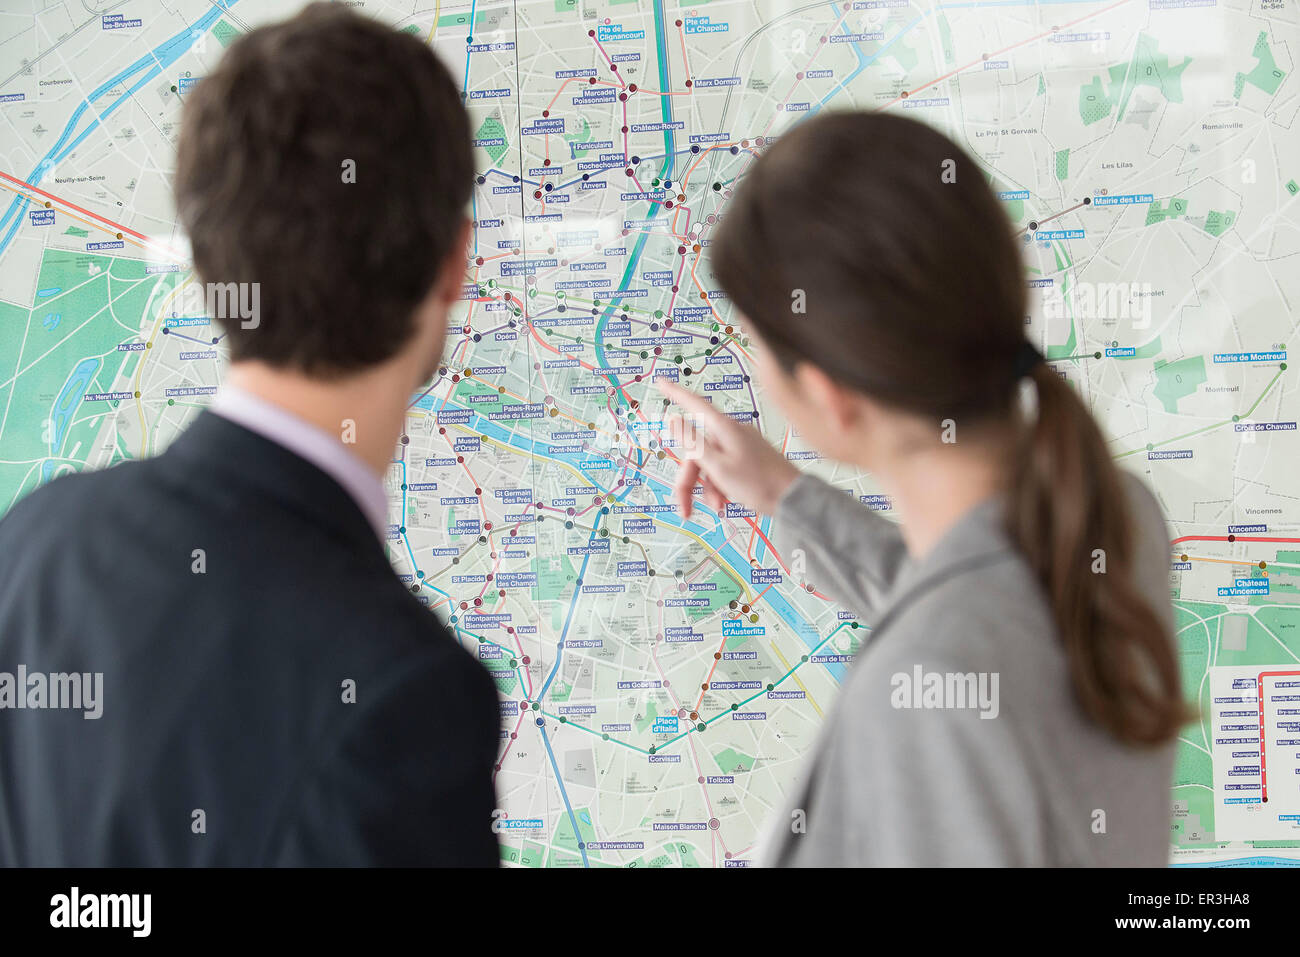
point(76, 690)
point(956, 690)
point(225, 301)
point(1100, 300)
point(129, 911)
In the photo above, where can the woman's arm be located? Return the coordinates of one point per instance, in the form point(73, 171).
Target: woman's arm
point(824, 537)
point(830, 540)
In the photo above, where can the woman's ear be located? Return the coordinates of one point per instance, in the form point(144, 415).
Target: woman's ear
point(843, 407)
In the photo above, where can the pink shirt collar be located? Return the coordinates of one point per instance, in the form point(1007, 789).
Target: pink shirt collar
point(327, 452)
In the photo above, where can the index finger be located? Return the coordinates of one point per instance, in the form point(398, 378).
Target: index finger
point(693, 402)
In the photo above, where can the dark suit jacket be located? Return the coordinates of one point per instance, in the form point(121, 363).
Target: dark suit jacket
point(224, 737)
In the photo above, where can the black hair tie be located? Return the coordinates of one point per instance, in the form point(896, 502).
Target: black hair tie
point(1027, 359)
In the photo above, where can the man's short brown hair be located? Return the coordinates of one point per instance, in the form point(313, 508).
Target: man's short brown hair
point(266, 147)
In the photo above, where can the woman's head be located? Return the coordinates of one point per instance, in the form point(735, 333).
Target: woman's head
point(872, 248)
point(882, 280)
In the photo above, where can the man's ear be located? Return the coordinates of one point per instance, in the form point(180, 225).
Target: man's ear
point(842, 406)
point(452, 279)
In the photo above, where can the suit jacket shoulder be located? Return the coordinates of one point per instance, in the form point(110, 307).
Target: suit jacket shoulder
point(261, 664)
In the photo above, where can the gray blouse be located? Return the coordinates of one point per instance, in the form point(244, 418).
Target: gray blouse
point(956, 738)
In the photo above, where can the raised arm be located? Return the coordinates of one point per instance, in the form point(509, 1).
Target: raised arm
point(833, 542)
point(824, 536)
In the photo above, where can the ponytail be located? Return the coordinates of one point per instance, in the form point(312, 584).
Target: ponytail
point(1067, 500)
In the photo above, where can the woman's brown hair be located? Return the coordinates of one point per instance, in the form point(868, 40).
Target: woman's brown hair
point(873, 247)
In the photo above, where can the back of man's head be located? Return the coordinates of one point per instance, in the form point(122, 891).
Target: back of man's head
point(327, 159)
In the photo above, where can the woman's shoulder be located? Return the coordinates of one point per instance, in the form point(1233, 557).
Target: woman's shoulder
point(966, 599)
point(990, 614)
point(989, 624)
point(1151, 544)
point(1145, 511)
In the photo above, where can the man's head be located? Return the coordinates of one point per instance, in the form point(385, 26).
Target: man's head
point(327, 159)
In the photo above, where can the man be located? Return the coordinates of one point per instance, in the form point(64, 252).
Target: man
point(268, 691)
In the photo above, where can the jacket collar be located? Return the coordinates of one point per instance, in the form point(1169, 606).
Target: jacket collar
point(978, 536)
point(240, 458)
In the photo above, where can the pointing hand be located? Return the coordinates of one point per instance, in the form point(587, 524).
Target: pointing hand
point(732, 461)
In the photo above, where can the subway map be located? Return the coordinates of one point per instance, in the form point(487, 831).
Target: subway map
point(662, 679)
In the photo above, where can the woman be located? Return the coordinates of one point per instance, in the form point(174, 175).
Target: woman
point(1017, 697)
